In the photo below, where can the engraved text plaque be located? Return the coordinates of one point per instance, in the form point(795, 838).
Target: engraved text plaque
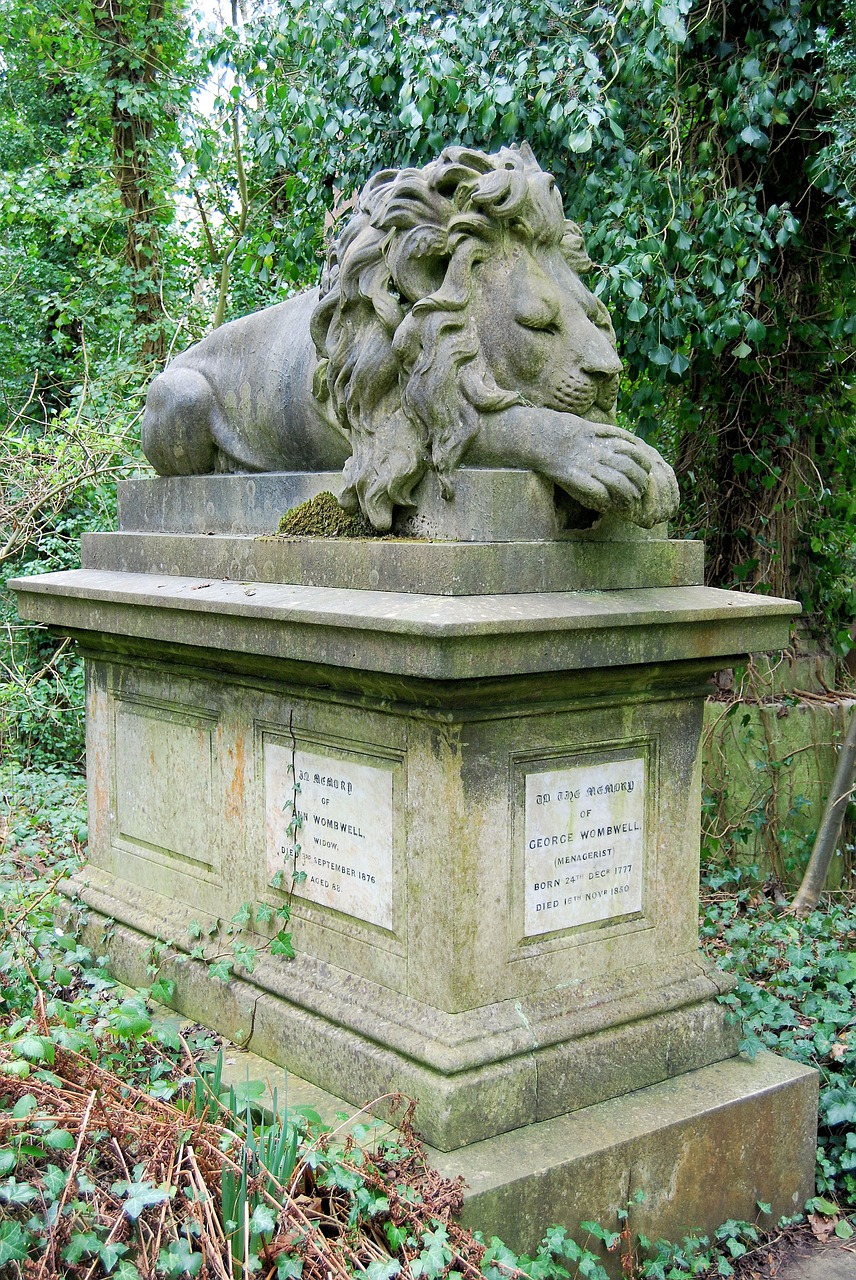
point(346, 833)
point(584, 844)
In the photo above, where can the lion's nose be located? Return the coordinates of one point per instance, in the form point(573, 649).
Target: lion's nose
point(602, 363)
point(600, 375)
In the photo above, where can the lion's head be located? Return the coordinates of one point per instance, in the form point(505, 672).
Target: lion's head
point(454, 292)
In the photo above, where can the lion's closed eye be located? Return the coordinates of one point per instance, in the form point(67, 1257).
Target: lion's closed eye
point(542, 317)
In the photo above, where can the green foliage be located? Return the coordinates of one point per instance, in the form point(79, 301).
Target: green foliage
point(377, 1214)
point(89, 111)
point(688, 139)
point(41, 679)
point(796, 980)
point(44, 818)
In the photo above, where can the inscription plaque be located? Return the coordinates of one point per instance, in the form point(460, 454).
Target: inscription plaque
point(346, 833)
point(584, 834)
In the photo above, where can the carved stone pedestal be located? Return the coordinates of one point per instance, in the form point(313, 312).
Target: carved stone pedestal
point(495, 909)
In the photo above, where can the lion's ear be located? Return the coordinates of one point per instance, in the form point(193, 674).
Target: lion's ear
point(417, 261)
point(527, 155)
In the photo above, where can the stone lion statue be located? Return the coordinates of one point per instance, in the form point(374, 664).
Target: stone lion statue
point(451, 326)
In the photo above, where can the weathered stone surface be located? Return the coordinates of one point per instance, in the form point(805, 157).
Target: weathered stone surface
point(420, 568)
point(234, 504)
point(435, 637)
point(451, 325)
point(448, 985)
point(474, 1073)
point(496, 504)
point(467, 721)
point(489, 504)
point(703, 1147)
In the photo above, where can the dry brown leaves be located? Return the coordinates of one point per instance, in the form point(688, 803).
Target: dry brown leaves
point(124, 1135)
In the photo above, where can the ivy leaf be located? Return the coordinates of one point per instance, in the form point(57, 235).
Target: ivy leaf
point(756, 331)
point(59, 1140)
point(263, 1219)
point(139, 1196)
point(126, 1271)
point(54, 1179)
point(661, 355)
point(379, 1270)
point(110, 1255)
point(435, 1256)
point(395, 1235)
point(282, 945)
point(838, 1107)
point(221, 970)
point(754, 137)
point(163, 990)
point(130, 1019)
point(13, 1243)
point(179, 1259)
point(289, 1268)
point(14, 1192)
point(81, 1243)
point(826, 1207)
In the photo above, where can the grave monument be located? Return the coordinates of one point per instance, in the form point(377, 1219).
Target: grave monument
point(466, 750)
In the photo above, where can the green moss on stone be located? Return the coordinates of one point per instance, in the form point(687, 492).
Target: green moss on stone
point(322, 517)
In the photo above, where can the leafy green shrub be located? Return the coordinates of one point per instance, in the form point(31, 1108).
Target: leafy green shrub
point(796, 984)
point(45, 508)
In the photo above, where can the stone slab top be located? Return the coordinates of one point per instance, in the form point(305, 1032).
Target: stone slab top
point(400, 565)
point(408, 613)
point(441, 637)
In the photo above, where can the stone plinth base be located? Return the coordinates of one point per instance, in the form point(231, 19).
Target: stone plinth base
point(493, 881)
point(468, 776)
point(488, 505)
point(702, 1148)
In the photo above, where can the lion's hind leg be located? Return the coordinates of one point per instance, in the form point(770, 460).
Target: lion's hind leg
point(179, 423)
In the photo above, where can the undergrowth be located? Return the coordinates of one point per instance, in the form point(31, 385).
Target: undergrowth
point(796, 995)
point(123, 1154)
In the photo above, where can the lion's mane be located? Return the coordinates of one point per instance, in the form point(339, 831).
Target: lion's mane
point(399, 360)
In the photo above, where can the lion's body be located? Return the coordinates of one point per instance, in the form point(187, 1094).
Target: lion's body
point(451, 325)
point(241, 400)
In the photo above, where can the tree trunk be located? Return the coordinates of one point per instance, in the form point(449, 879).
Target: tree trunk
point(131, 79)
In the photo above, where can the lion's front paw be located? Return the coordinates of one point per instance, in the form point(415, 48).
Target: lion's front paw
point(611, 470)
point(661, 497)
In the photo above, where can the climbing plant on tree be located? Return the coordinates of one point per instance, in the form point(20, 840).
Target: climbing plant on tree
point(90, 98)
point(691, 138)
point(140, 46)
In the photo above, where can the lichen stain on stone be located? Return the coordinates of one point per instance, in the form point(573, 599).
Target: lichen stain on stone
point(235, 788)
point(99, 787)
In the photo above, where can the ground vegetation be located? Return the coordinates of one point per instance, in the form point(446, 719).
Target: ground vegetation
point(123, 1153)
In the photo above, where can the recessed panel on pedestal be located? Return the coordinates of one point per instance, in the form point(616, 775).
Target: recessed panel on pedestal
point(164, 789)
point(342, 848)
point(584, 844)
